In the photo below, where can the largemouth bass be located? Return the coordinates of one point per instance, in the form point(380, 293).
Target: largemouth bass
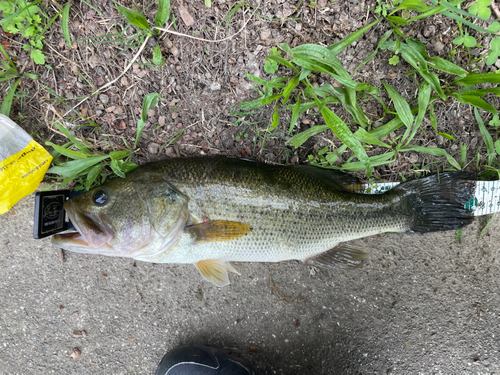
point(212, 210)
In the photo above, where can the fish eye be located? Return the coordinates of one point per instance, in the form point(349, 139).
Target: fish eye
point(100, 198)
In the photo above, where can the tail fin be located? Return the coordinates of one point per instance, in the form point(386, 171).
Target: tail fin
point(437, 202)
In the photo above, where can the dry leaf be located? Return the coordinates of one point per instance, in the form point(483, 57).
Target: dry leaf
point(186, 17)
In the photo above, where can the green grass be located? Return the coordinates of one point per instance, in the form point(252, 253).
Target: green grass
point(295, 93)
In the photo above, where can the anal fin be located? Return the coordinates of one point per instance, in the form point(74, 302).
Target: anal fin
point(215, 271)
point(217, 230)
point(341, 256)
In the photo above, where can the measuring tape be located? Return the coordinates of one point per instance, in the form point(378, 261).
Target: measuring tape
point(486, 199)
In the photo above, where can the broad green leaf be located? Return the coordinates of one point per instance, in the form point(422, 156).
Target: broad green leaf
point(476, 102)
point(115, 166)
point(402, 107)
point(263, 82)
point(289, 88)
point(340, 129)
point(446, 66)
point(336, 48)
point(495, 44)
point(75, 141)
point(494, 27)
point(433, 151)
point(93, 174)
point(374, 161)
point(473, 79)
point(362, 135)
point(497, 146)
point(448, 136)
point(488, 140)
point(282, 61)
point(459, 40)
point(157, 55)
point(140, 125)
point(416, 5)
point(134, 18)
point(304, 73)
point(149, 101)
point(37, 56)
point(295, 115)
point(463, 154)
point(276, 117)
point(74, 168)
point(118, 155)
point(469, 41)
point(271, 99)
point(299, 139)
point(424, 95)
point(65, 24)
point(69, 153)
point(398, 20)
point(163, 13)
point(492, 58)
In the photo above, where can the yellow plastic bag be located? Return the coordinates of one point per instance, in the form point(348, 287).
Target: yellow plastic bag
point(23, 163)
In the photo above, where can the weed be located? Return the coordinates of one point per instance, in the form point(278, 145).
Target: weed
point(23, 17)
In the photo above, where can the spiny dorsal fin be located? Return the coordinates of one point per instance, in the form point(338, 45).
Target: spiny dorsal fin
point(217, 230)
point(215, 271)
point(341, 256)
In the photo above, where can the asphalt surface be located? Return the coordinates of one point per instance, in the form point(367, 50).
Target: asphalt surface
point(420, 304)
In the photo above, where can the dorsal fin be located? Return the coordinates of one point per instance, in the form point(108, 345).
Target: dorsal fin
point(336, 179)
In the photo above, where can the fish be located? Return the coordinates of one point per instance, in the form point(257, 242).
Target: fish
point(211, 211)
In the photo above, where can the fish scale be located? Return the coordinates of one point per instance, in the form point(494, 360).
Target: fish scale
point(292, 215)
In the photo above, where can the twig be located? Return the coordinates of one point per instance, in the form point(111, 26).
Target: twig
point(144, 45)
point(209, 40)
point(495, 9)
point(113, 81)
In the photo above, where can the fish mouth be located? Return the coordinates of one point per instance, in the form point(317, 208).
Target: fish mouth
point(89, 238)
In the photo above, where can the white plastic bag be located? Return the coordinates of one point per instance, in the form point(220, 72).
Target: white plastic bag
point(23, 163)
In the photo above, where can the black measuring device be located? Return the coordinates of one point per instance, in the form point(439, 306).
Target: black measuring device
point(50, 216)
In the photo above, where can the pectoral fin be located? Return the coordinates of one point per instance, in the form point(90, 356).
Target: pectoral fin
point(341, 256)
point(217, 230)
point(215, 271)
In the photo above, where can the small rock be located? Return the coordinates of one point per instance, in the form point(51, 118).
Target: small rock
point(228, 143)
point(153, 148)
point(265, 35)
point(101, 71)
point(473, 142)
point(104, 98)
point(76, 353)
point(161, 120)
point(174, 115)
point(432, 144)
point(438, 46)
point(215, 86)
point(497, 64)
point(152, 42)
point(61, 308)
point(174, 51)
point(413, 158)
point(124, 81)
point(429, 30)
point(79, 333)
point(440, 139)
point(170, 152)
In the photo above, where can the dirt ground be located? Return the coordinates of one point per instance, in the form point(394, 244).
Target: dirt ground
point(420, 304)
point(201, 83)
